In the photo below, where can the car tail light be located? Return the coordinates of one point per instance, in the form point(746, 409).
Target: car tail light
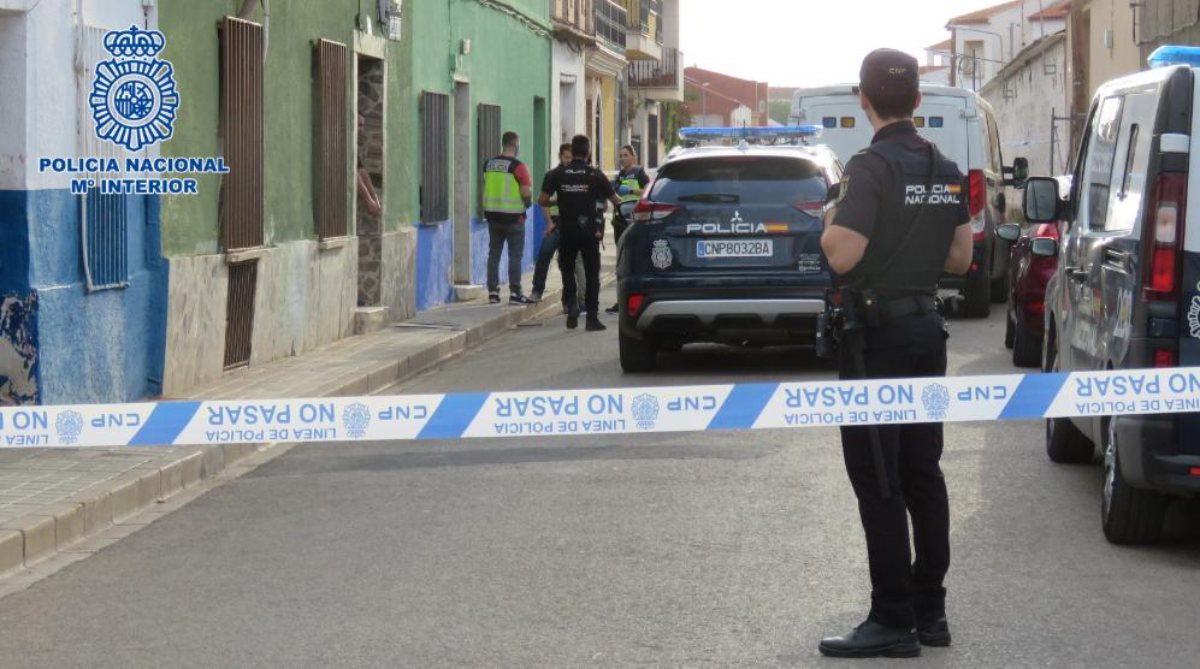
point(812, 208)
point(1194, 471)
point(1165, 357)
point(1165, 217)
point(634, 304)
point(977, 194)
point(652, 212)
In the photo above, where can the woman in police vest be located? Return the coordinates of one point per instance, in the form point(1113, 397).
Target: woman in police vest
point(629, 184)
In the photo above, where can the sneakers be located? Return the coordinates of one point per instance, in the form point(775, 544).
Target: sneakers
point(519, 300)
point(594, 325)
point(493, 298)
point(616, 308)
point(535, 297)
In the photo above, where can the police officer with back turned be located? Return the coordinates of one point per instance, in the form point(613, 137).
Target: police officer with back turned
point(578, 188)
point(900, 220)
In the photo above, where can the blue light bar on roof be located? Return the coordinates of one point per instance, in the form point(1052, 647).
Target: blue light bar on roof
point(749, 133)
point(1165, 56)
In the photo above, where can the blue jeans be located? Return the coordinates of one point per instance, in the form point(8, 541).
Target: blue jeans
point(500, 235)
point(545, 258)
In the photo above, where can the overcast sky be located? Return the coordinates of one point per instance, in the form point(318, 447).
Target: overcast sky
point(809, 42)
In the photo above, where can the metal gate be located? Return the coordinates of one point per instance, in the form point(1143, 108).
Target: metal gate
point(239, 313)
point(242, 134)
point(435, 157)
point(332, 165)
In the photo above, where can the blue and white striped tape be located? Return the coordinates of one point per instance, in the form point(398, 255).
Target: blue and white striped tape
point(752, 406)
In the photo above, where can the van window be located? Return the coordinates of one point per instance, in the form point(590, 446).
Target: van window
point(1099, 161)
point(1133, 161)
point(996, 157)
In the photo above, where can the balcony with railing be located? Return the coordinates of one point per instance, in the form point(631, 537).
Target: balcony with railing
point(574, 20)
point(610, 21)
point(644, 29)
point(661, 79)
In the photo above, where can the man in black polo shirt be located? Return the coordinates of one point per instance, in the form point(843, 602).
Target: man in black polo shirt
point(901, 221)
point(578, 188)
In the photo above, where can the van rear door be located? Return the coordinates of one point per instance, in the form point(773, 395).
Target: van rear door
point(942, 119)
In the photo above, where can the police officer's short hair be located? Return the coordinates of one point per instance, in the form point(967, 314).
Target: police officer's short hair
point(565, 147)
point(891, 82)
point(581, 146)
point(510, 139)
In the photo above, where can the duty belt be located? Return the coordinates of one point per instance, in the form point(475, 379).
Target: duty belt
point(895, 308)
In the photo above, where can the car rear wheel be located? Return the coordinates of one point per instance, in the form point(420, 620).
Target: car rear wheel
point(637, 355)
point(1027, 349)
point(1130, 515)
point(1065, 444)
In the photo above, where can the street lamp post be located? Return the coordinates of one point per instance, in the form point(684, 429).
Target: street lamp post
point(704, 100)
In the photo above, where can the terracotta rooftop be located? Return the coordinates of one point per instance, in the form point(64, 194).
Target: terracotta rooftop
point(982, 15)
point(1057, 11)
point(941, 46)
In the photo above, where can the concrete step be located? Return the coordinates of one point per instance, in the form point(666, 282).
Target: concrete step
point(370, 319)
point(464, 292)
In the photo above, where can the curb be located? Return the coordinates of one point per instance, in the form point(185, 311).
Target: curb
point(36, 537)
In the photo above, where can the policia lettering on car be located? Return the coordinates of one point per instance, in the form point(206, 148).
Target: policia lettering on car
point(889, 241)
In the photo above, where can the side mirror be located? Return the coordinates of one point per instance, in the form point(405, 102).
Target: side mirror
point(1009, 232)
point(1019, 172)
point(627, 208)
point(1041, 200)
point(1044, 247)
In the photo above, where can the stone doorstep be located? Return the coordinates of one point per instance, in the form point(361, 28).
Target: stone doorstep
point(31, 538)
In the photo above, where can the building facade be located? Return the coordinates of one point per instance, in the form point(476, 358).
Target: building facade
point(722, 100)
point(82, 278)
point(984, 41)
point(1031, 96)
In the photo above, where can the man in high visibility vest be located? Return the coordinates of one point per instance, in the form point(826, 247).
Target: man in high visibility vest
point(629, 184)
point(507, 194)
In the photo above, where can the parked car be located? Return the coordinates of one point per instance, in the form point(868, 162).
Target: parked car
point(1126, 292)
point(725, 247)
point(1032, 264)
point(964, 127)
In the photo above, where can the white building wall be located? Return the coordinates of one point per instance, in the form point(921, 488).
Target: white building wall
point(568, 96)
point(1025, 97)
point(1004, 35)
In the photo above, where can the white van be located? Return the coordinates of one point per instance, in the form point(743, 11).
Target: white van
point(963, 126)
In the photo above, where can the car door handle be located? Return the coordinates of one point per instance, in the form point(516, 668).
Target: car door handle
point(1118, 258)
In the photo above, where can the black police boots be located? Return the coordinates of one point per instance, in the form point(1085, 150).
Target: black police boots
point(934, 632)
point(871, 639)
point(572, 317)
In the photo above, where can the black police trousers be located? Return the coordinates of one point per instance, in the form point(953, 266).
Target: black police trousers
point(574, 241)
point(903, 590)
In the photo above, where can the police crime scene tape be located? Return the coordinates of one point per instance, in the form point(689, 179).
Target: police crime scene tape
point(743, 406)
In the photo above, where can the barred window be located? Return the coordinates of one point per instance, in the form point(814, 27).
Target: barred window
point(332, 166)
point(435, 157)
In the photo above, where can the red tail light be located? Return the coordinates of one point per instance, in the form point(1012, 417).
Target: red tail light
point(652, 212)
point(977, 196)
point(634, 304)
point(811, 208)
point(1194, 471)
point(1164, 229)
point(1164, 357)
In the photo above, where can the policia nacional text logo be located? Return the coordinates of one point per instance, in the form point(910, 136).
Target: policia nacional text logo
point(937, 194)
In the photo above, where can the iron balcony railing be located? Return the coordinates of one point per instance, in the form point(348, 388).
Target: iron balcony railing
point(664, 73)
point(611, 19)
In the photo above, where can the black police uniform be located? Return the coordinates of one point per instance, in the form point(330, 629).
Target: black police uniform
point(579, 187)
point(909, 210)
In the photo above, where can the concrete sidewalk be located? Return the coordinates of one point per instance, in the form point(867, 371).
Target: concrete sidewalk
point(51, 499)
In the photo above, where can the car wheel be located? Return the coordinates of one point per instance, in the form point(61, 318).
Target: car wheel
point(977, 299)
point(1065, 444)
point(1000, 289)
point(1027, 349)
point(1130, 515)
point(637, 355)
point(1010, 331)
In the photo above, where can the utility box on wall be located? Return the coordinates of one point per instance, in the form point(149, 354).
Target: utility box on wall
point(390, 14)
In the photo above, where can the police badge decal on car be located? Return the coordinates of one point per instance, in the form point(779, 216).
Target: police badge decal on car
point(660, 255)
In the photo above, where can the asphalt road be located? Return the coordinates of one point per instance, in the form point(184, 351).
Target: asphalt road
point(679, 550)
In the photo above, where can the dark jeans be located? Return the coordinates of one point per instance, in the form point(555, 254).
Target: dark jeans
point(573, 243)
point(902, 590)
point(542, 269)
point(620, 225)
point(499, 236)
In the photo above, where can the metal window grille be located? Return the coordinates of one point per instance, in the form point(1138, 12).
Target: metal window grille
point(332, 166)
point(103, 217)
point(239, 313)
point(611, 19)
point(489, 142)
point(435, 157)
point(242, 132)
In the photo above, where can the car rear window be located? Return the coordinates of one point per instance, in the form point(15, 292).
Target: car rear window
point(744, 180)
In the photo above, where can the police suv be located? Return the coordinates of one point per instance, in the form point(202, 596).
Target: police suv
point(1127, 291)
point(725, 244)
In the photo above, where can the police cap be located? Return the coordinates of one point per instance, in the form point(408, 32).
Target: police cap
point(888, 72)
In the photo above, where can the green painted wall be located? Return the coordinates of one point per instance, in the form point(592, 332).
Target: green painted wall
point(509, 65)
point(190, 224)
